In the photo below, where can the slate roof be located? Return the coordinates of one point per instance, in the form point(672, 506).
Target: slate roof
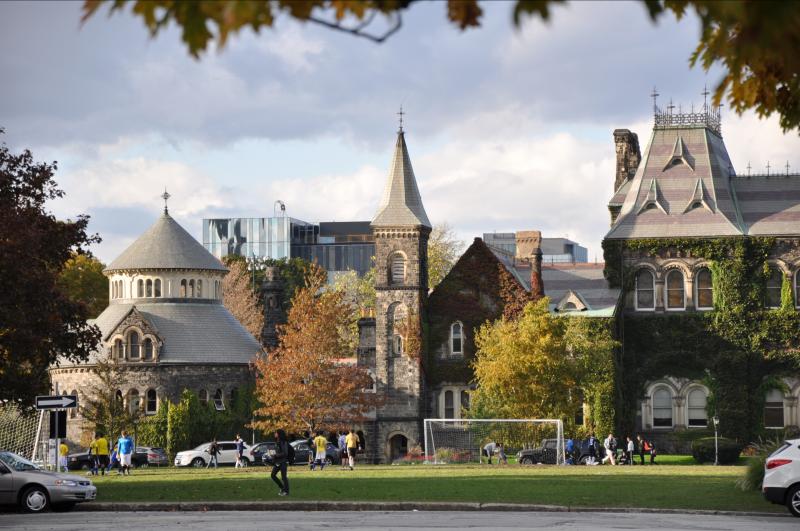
point(401, 205)
point(192, 332)
point(686, 186)
point(166, 245)
point(585, 279)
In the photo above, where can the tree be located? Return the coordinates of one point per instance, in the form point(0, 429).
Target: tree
point(538, 365)
point(38, 321)
point(82, 280)
point(444, 249)
point(102, 405)
point(358, 293)
point(754, 42)
point(307, 383)
point(239, 298)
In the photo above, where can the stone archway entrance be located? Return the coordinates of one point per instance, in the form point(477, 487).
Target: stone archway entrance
point(398, 447)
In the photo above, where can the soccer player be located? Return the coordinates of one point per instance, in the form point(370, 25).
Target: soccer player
point(321, 444)
point(101, 445)
point(125, 450)
point(352, 448)
point(62, 456)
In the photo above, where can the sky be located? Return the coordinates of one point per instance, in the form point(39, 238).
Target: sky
point(508, 129)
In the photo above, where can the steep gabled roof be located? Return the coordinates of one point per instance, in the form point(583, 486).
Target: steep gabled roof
point(166, 245)
point(401, 205)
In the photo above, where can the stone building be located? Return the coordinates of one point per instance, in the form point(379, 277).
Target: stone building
point(166, 325)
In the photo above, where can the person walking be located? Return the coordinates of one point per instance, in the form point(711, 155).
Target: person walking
point(213, 450)
point(62, 456)
point(280, 460)
point(592, 443)
point(629, 450)
point(342, 444)
point(501, 455)
point(489, 449)
point(610, 448)
point(125, 451)
point(640, 443)
point(652, 450)
point(321, 445)
point(352, 448)
point(239, 451)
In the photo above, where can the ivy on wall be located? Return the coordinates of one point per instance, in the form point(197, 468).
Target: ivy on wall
point(740, 345)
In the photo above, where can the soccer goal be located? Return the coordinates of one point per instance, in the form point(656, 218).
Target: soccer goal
point(463, 440)
point(19, 428)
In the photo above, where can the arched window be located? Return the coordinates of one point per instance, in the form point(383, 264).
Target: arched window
point(464, 402)
point(191, 289)
point(218, 403)
point(148, 288)
point(133, 346)
point(774, 284)
point(157, 287)
point(151, 405)
point(73, 411)
point(148, 349)
point(676, 299)
point(449, 407)
point(372, 387)
point(773, 409)
point(662, 408)
point(456, 338)
point(645, 290)
point(183, 287)
point(119, 349)
point(697, 409)
point(203, 396)
point(216, 289)
point(113, 290)
point(199, 288)
point(134, 403)
point(397, 345)
point(705, 290)
point(140, 288)
point(397, 269)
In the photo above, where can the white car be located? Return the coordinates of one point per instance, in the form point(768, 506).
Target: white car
point(782, 476)
point(201, 456)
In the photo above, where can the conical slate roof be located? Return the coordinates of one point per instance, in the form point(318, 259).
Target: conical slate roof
point(401, 204)
point(166, 245)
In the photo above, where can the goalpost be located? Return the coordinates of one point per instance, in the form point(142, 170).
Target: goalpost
point(462, 440)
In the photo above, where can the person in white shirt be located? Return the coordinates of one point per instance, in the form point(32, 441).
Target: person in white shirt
point(610, 447)
point(630, 451)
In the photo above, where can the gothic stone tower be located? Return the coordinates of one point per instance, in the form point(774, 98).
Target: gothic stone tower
point(401, 229)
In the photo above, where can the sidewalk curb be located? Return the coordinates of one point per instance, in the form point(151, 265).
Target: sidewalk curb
point(280, 505)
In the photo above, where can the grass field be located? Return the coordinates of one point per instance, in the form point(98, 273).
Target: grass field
point(673, 484)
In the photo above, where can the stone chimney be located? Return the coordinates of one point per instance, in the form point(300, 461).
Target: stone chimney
point(529, 250)
point(628, 156)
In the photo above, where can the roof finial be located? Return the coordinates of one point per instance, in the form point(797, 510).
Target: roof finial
point(768, 167)
point(670, 106)
point(705, 94)
point(400, 114)
point(654, 95)
point(787, 167)
point(748, 168)
point(165, 196)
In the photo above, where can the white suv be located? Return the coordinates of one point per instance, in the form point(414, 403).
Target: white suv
point(782, 476)
point(200, 456)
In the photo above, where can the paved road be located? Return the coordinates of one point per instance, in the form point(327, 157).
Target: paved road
point(316, 521)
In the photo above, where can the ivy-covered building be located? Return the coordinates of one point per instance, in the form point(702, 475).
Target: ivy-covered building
point(708, 262)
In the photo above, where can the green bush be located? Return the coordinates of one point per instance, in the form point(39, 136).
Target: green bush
point(703, 450)
point(754, 473)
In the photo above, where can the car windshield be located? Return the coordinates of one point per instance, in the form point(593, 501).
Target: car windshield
point(17, 462)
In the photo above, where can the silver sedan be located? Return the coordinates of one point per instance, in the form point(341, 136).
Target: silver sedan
point(35, 490)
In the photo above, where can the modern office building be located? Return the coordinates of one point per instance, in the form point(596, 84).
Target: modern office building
point(335, 246)
point(554, 250)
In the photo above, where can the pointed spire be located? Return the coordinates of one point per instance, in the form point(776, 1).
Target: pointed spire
point(401, 205)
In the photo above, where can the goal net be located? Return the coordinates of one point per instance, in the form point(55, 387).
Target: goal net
point(464, 440)
point(18, 429)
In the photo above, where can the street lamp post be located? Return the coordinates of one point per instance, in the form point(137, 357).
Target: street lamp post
point(715, 420)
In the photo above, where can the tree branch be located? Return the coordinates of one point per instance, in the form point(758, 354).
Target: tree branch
point(357, 30)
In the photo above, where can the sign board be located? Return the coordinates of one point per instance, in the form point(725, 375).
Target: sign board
point(56, 402)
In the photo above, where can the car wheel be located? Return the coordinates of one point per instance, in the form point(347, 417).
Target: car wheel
point(86, 466)
point(793, 500)
point(63, 507)
point(198, 462)
point(35, 500)
point(527, 460)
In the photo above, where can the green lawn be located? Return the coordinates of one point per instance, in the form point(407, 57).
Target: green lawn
point(674, 484)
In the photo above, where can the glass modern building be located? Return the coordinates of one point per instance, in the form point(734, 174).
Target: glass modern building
point(554, 250)
point(335, 246)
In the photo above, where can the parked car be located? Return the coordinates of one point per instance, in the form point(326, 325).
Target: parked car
point(35, 490)
point(200, 456)
point(546, 454)
point(782, 476)
point(155, 456)
point(302, 452)
point(83, 461)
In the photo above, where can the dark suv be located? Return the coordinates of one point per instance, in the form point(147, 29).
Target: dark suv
point(301, 452)
point(547, 453)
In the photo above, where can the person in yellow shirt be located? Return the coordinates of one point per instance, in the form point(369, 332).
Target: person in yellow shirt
point(321, 445)
point(62, 456)
point(352, 447)
point(101, 452)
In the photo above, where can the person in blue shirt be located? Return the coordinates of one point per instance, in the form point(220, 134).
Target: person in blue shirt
point(570, 450)
point(125, 449)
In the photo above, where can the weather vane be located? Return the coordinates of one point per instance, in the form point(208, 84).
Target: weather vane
point(165, 196)
point(400, 114)
point(654, 95)
point(705, 94)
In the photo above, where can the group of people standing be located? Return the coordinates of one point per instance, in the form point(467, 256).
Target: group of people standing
point(103, 457)
point(613, 453)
